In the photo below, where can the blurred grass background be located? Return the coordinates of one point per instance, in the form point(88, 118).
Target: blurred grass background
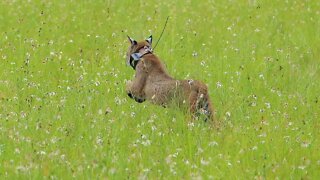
point(64, 112)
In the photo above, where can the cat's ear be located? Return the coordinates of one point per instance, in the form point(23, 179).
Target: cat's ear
point(149, 40)
point(132, 41)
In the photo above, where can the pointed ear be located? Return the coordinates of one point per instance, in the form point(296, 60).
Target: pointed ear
point(149, 40)
point(132, 41)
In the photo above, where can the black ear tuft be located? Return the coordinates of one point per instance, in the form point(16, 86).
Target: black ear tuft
point(132, 41)
point(149, 40)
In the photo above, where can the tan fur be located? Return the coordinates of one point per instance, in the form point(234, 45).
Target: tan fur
point(153, 83)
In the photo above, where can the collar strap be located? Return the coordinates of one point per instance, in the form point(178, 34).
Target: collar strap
point(135, 57)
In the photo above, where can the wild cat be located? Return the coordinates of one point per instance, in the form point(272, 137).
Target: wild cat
point(153, 83)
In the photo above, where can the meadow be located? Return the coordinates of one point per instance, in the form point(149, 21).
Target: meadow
point(64, 112)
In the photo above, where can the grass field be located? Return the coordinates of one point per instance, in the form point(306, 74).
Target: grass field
point(64, 112)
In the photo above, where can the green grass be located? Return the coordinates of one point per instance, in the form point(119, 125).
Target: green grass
point(63, 66)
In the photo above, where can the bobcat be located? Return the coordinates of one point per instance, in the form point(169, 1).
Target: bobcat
point(153, 83)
